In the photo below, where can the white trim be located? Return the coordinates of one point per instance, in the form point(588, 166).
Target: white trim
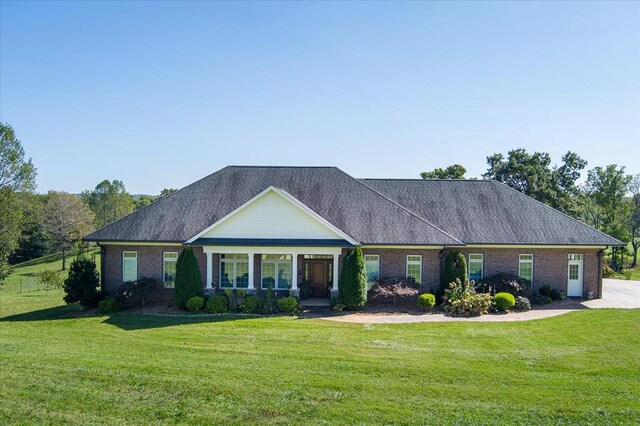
point(377, 260)
point(234, 274)
point(396, 246)
point(336, 251)
point(532, 246)
point(134, 243)
point(123, 253)
point(294, 201)
point(520, 262)
point(414, 262)
point(481, 261)
point(276, 263)
point(580, 264)
point(164, 283)
point(209, 284)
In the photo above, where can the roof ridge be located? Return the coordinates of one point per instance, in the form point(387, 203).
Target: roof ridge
point(411, 212)
point(558, 211)
point(279, 167)
point(428, 180)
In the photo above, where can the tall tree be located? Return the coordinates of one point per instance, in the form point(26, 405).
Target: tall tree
point(607, 188)
point(167, 191)
point(533, 175)
point(141, 201)
point(66, 218)
point(34, 241)
point(17, 176)
point(634, 218)
point(109, 201)
point(455, 171)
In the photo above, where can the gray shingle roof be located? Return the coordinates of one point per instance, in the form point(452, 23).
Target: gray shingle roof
point(488, 212)
point(348, 204)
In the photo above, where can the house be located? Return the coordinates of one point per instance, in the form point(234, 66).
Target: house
point(257, 226)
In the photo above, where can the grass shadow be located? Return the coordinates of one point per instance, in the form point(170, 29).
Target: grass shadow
point(137, 321)
point(55, 313)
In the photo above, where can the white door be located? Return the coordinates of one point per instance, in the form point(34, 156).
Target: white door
point(574, 282)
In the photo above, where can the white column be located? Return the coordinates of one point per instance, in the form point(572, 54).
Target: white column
point(335, 274)
point(209, 270)
point(251, 258)
point(294, 272)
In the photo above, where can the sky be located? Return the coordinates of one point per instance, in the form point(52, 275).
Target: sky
point(160, 94)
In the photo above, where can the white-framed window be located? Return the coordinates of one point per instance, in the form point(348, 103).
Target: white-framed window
point(169, 260)
point(234, 270)
point(575, 257)
point(276, 270)
point(372, 267)
point(129, 266)
point(525, 266)
point(476, 267)
point(414, 269)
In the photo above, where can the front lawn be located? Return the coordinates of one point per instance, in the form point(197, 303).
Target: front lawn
point(58, 367)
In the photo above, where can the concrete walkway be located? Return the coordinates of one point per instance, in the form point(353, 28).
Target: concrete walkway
point(619, 294)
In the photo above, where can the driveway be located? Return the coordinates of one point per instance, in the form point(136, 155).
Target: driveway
point(621, 294)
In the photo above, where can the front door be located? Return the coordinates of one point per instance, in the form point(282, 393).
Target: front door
point(318, 279)
point(574, 282)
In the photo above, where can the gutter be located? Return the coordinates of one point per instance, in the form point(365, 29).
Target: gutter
point(600, 254)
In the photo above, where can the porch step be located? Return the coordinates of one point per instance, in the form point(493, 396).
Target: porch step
point(315, 302)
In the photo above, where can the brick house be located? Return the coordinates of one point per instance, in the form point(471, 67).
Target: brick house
point(257, 226)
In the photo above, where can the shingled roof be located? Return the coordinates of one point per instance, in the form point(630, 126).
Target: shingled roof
point(371, 211)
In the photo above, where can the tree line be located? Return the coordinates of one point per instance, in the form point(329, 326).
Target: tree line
point(608, 200)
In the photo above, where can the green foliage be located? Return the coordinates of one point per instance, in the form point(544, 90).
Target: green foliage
point(82, 283)
point(555, 294)
point(135, 293)
point(269, 303)
point(461, 299)
point(195, 303)
point(607, 271)
point(50, 279)
point(250, 304)
point(426, 301)
point(109, 201)
point(141, 201)
point(455, 171)
point(540, 299)
point(108, 305)
point(455, 268)
point(352, 284)
point(505, 282)
point(522, 304)
point(289, 305)
point(218, 303)
point(305, 290)
point(188, 281)
point(504, 301)
point(545, 290)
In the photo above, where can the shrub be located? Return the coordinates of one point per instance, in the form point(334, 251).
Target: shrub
point(289, 305)
point(136, 293)
point(540, 299)
point(195, 303)
point(218, 303)
point(504, 301)
point(426, 301)
point(461, 299)
point(50, 279)
point(555, 294)
point(108, 305)
point(505, 283)
point(522, 304)
point(607, 271)
point(250, 304)
point(82, 283)
point(305, 290)
point(545, 290)
point(269, 304)
point(352, 285)
point(628, 274)
point(397, 292)
point(455, 267)
point(188, 281)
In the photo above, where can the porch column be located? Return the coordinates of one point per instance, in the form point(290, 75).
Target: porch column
point(294, 272)
point(334, 290)
point(251, 287)
point(209, 270)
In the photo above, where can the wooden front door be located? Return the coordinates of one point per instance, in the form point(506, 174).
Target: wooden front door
point(318, 279)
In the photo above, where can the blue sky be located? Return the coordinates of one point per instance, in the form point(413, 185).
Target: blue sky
point(161, 94)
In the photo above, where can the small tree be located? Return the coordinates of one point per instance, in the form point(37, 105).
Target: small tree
point(50, 279)
point(455, 266)
point(188, 281)
point(352, 284)
point(82, 284)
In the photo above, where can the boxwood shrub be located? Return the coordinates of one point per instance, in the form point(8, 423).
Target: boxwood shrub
point(218, 303)
point(108, 305)
point(426, 301)
point(250, 304)
point(504, 301)
point(195, 303)
point(288, 305)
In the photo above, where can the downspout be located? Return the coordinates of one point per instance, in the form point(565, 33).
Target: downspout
point(600, 254)
point(103, 251)
point(441, 255)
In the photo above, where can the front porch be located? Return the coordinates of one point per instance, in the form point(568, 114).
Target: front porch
point(284, 268)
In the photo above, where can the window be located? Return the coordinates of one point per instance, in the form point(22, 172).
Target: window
point(525, 266)
point(574, 272)
point(234, 271)
point(169, 259)
point(476, 267)
point(414, 269)
point(372, 266)
point(575, 257)
point(129, 266)
point(276, 271)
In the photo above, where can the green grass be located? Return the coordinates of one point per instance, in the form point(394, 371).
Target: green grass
point(61, 367)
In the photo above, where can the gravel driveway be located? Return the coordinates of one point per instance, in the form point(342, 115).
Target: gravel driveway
point(617, 294)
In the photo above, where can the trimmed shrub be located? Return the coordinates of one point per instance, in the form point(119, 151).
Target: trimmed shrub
point(108, 305)
point(522, 304)
point(505, 283)
point(545, 290)
point(555, 294)
point(195, 303)
point(218, 303)
point(188, 281)
point(504, 301)
point(289, 305)
point(455, 267)
point(269, 303)
point(352, 285)
point(135, 293)
point(426, 301)
point(250, 304)
point(82, 283)
point(392, 292)
point(461, 299)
